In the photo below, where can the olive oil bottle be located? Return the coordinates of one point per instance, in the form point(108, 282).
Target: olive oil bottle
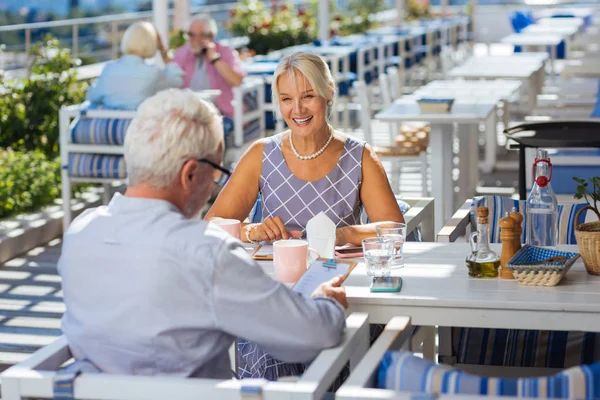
point(482, 262)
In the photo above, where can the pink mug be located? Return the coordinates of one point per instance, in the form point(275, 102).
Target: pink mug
point(291, 259)
point(231, 226)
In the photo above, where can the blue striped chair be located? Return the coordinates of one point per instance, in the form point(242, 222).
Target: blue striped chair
point(511, 347)
point(386, 372)
point(400, 371)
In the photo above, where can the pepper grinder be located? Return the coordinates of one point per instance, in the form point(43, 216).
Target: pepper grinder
point(508, 236)
point(518, 217)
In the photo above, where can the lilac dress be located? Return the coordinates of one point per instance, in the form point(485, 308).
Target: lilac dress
point(296, 202)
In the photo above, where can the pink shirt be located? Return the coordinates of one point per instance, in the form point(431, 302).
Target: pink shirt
point(185, 58)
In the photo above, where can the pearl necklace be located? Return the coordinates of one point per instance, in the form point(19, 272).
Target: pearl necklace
point(314, 155)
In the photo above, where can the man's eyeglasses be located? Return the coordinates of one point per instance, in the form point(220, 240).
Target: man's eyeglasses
point(221, 174)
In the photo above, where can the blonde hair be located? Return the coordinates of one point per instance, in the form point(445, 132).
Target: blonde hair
point(314, 69)
point(140, 39)
point(171, 127)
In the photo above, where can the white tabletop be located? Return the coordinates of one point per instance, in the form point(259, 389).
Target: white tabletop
point(533, 39)
point(578, 12)
point(408, 110)
point(437, 290)
point(565, 31)
point(576, 22)
point(500, 67)
point(471, 91)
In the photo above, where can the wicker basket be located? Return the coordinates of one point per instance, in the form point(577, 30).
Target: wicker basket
point(589, 242)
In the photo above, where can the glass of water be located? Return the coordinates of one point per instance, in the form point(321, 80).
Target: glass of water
point(378, 252)
point(395, 231)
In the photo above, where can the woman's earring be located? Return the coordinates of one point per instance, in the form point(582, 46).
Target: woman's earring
point(330, 103)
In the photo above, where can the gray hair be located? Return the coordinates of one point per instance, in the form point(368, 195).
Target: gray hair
point(171, 127)
point(314, 69)
point(140, 39)
point(207, 21)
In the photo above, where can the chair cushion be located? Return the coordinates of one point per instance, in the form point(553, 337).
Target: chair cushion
point(499, 205)
point(97, 166)
point(403, 372)
point(106, 131)
point(524, 348)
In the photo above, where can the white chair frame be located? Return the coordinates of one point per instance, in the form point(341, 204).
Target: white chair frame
point(33, 378)
point(68, 113)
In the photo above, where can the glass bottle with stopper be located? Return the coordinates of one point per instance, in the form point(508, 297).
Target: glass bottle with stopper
point(482, 262)
point(542, 206)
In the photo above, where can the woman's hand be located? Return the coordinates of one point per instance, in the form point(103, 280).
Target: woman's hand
point(271, 229)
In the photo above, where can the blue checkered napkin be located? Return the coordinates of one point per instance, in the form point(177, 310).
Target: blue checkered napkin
point(533, 254)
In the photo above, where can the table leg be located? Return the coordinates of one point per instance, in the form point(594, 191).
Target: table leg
point(442, 187)
point(490, 144)
point(553, 63)
point(468, 164)
point(522, 172)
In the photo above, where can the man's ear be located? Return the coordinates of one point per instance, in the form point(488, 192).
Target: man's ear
point(188, 173)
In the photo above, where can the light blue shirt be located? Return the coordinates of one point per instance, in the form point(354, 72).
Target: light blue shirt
point(128, 81)
point(149, 291)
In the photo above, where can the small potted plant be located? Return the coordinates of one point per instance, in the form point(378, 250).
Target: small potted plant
point(588, 234)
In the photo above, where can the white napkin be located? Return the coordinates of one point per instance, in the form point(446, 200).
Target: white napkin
point(320, 232)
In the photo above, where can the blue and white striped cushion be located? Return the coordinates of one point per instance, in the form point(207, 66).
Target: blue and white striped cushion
point(403, 372)
point(97, 166)
point(498, 206)
point(99, 131)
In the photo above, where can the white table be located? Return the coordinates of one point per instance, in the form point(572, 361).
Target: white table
point(576, 22)
point(536, 40)
point(526, 67)
point(469, 92)
point(440, 144)
point(437, 290)
point(586, 68)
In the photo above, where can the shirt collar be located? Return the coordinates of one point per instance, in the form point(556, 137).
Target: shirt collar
point(126, 204)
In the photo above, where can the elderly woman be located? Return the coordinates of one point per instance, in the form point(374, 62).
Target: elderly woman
point(208, 64)
point(299, 173)
point(128, 81)
point(309, 168)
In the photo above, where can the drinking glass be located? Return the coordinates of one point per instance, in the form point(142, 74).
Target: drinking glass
point(397, 232)
point(378, 252)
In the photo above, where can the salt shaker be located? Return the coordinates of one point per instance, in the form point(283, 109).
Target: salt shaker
point(507, 235)
point(518, 217)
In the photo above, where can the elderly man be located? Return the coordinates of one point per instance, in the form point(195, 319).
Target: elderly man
point(149, 290)
point(207, 64)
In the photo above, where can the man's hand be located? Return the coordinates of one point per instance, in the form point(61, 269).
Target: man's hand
point(333, 288)
point(211, 49)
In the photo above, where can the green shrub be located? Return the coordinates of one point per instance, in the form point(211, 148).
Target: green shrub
point(28, 181)
point(29, 109)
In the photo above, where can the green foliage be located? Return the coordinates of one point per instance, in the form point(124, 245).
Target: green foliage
point(27, 181)
point(416, 10)
point(29, 110)
point(592, 197)
point(285, 25)
point(176, 39)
